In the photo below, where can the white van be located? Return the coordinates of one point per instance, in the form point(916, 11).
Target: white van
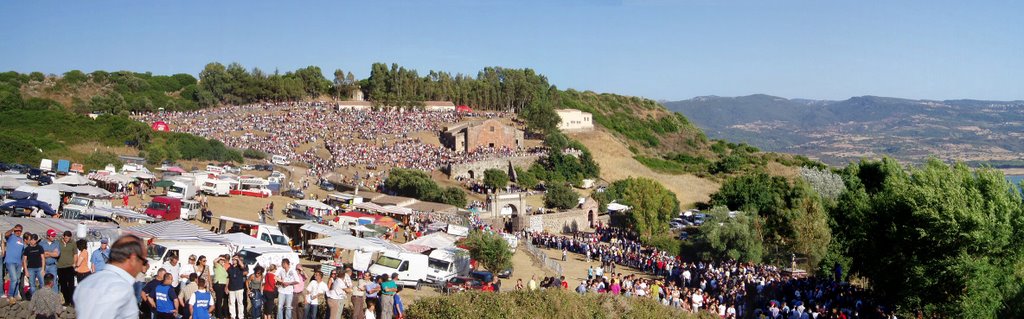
point(279, 160)
point(161, 250)
point(264, 256)
point(216, 187)
point(183, 188)
point(446, 263)
point(190, 209)
point(268, 233)
point(411, 267)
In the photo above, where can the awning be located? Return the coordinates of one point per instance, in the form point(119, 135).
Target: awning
point(313, 204)
point(126, 213)
point(369, 207)
point(72, 179)
point(244, 240)
point(355, 243)
point(176, 230)
point(434, 240)
point(323, 229)
point(90, 190)
point(142, 175)
point(396, 210)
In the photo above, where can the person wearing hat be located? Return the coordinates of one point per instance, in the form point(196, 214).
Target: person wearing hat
point(51, 250)
point(100, 256)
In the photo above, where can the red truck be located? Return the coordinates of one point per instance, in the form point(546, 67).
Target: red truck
point(164, 208)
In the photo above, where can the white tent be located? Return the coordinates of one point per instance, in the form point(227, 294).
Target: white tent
point(355, 243)
point(244, 240)
point(141, 175)
point(90, 190)
point(9, 182)
point(63, 188)
point(72, 179)
point(323, 229)
point(616, 207)
point(313, 204)
point(176, 230)
point(432, 241)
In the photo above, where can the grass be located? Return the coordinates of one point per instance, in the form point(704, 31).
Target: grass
point(549, 303)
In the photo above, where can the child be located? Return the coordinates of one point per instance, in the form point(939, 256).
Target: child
point(370, 311)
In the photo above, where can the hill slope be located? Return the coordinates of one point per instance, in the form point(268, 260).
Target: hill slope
point(867, 126)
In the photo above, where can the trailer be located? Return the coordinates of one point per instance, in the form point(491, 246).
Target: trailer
point(63, 166)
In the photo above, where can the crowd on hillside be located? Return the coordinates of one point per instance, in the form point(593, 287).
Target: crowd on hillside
point(350, 137)
point(728, 289)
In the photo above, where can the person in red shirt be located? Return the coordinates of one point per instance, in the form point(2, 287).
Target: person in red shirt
point(488, 287)
point(565, 284)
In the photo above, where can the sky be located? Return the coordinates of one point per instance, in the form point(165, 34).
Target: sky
point(659, 49)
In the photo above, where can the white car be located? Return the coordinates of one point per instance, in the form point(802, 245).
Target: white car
point(248, 167)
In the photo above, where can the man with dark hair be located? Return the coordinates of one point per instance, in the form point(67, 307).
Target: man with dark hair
point(46, 303)
point(109, 293)
point(12, 259)
point(164, 300)
point(149, 291)
point(200, 302)
point(66, 266)
point(387, 297)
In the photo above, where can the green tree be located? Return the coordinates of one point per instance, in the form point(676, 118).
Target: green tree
point(942, 239)
point(495, 178)
point(525, 178)
point(652, 206)
point(490, 249)
point(736, 237)
point(561, 196)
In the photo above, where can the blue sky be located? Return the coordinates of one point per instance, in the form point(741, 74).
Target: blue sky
point(667, 50)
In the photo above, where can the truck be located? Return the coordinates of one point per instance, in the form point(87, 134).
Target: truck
point(265, 256)
point(183, 188)
point(164, 208)
point(411, 267)
point(216, 187)
point(79, 205)
point(160, 251)
point(446, 263)
point(46, 165)
point(63, 166)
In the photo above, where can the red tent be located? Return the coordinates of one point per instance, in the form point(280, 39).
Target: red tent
point(161, 126)
point(463, 108)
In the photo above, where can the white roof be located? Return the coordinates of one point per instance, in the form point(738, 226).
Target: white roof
point(238, 220)
point(63, 188)
point(313, 204)
point(72, 179)
point(244, 240)
point(617, 207)
point(434, 240)
point(176, 230)
point(91, 191)
point(323, 229)
point(10, 182)
point(355, 243)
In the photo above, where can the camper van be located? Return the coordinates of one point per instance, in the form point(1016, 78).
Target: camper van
point(411, 267)
point(160, 252)
point(216, 187)
point(190, 209)
point(279, 160)
point(46, 165)
point(446, 263)
point(267, 233)
point(183, 188)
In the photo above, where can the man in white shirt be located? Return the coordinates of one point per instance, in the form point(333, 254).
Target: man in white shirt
point(109, 293)
point(174, 269)
point(187, 269)
point(698, 300)
point(286, 278)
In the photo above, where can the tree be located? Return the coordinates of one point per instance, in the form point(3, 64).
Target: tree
point(652, 206)
point(942, 239)
point(490, 249)
point(525, 178)
point(495, 178)
point(561, 196)
point(737, 237)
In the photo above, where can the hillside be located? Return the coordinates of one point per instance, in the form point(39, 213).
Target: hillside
point(840, 131)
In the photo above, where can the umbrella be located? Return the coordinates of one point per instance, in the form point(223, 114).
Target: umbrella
point(73, 179)
point(7, 182)
point(164, 184)
point(30, 203)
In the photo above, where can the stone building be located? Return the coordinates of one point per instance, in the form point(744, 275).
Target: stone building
point(574, 120)
point(490, 133)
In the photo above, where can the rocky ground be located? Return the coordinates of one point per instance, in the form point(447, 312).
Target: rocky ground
point(19, 310)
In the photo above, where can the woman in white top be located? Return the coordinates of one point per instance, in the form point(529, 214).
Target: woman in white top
point(314, 293)
point(336, 293)
point(187, 268)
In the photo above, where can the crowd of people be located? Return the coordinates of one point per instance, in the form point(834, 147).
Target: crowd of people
point(728, 289)
point(349, 137)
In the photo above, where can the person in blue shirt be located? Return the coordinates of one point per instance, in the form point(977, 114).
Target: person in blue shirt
point(399, 305)
point(12, 260)
point(51, 250)
point(100, 256)
point(164, 299)
point(201, 302)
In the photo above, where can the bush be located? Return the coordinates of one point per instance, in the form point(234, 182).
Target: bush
point(490, 249)
point(253, 154)
point(548, 303)
point(495, 178)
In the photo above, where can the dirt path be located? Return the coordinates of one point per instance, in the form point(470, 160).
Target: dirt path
point(617, 163)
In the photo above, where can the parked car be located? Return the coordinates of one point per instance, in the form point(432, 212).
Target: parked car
point(505, 273)
point(676, 224)
point(484, 276)
point(462, 283)
point(264, 167)
point(296, 213)
point(293, 193)
point(247, 167)
point(327, 186)
point(684, 235)
point(45, 180)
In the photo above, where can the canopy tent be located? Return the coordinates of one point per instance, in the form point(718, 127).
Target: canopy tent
point(355, 243)
point(244, 240)
point(63, 188)
point(72, 179)
point(371, 207)
point(396, 210)
point(30, 203)
point(323, 229)
point(94, 230)
point(9, 182)
point(432, 241)
point(176, 230)
point(141, 175)
point(90, 190)
point(313, 204)
point(415, 248)
point(125, 213)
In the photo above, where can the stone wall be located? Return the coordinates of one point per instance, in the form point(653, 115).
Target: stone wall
point(567, 222)
point(477, 168)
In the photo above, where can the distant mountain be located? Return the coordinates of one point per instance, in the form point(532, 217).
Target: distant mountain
point(867, 126)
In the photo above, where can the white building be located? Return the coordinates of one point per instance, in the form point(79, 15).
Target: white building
point(575, 120)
